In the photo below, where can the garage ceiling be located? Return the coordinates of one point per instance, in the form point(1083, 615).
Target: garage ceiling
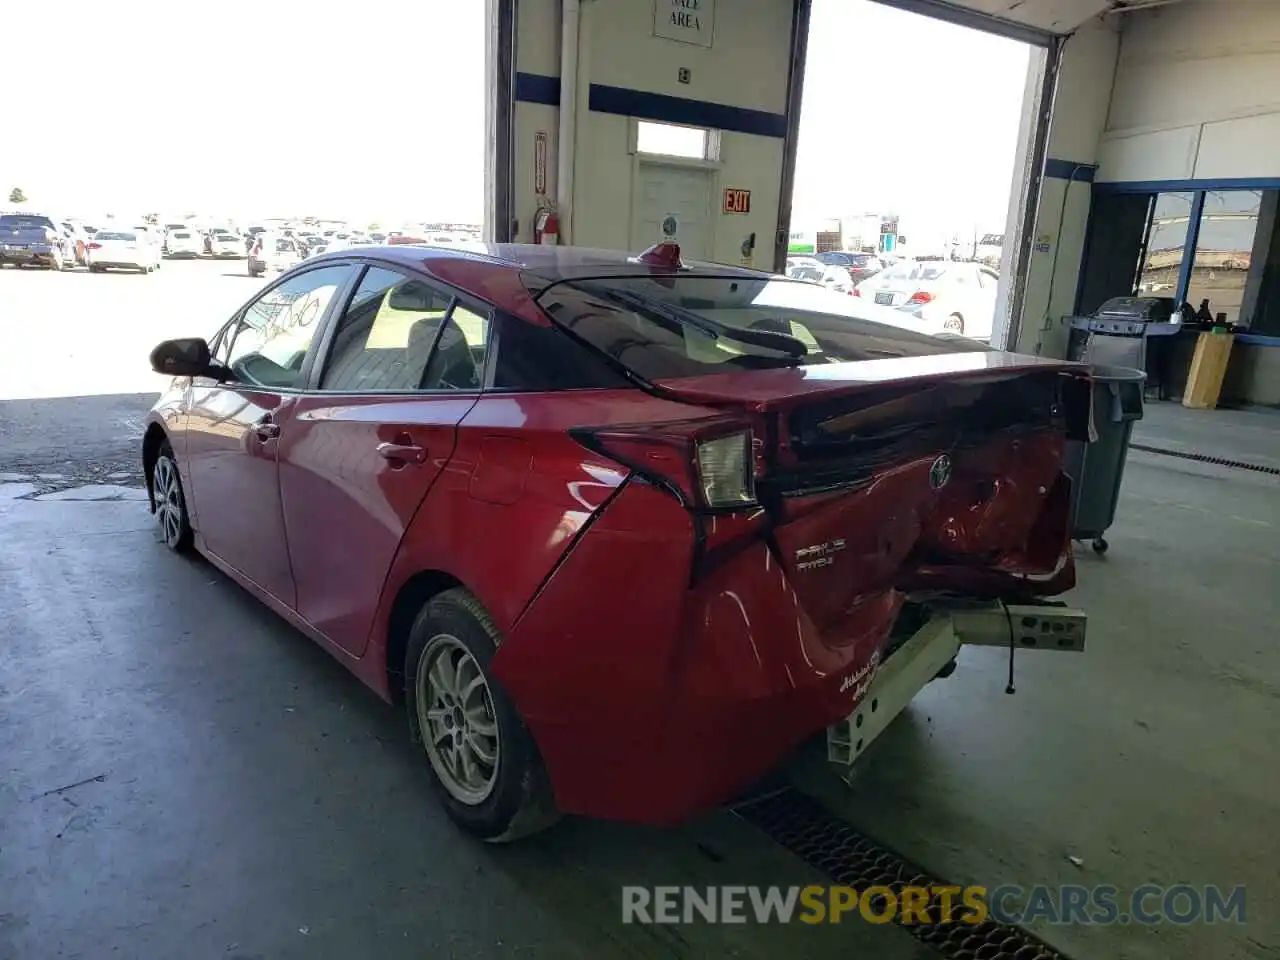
point(1044, 16)
point(1052, 16)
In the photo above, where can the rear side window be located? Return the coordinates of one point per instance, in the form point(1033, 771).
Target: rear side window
point(537, 358)
point(457, 363)
point(386, 334)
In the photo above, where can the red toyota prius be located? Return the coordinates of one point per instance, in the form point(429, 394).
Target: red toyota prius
point(617, 531)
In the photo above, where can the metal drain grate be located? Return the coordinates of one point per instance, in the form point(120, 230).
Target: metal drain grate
point(1205, 458)
point(803, 826)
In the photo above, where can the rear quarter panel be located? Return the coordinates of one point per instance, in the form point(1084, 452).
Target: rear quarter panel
point(514, 496)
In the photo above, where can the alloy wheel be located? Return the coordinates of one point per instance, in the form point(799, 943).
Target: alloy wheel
point(168, 496)
point(456, 719)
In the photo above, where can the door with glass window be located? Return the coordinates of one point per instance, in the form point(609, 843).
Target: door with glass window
point(234, 427)
point(404, 364)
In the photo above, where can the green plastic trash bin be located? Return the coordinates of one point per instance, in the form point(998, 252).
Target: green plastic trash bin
point(1097, 468)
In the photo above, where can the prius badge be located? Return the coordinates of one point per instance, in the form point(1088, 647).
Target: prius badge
point(818, 554)
point(940, 472)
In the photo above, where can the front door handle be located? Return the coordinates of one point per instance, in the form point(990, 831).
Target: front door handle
point(266, 430)
point(402, 452)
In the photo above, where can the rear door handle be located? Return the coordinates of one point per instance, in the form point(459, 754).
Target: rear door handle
point(402, 452)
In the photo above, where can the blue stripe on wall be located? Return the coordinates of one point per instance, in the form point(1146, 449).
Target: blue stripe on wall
point(534, 88)
point(697, 113)
point(1069, 170)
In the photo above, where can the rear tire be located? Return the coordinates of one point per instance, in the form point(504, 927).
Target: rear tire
point(484, 764)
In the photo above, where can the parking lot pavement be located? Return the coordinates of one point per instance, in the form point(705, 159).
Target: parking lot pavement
point(75, 383)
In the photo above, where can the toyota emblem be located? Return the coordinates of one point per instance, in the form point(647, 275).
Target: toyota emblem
point(940, 472)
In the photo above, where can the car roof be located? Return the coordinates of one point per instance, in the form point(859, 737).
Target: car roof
point(499, 272)
point(551, 263)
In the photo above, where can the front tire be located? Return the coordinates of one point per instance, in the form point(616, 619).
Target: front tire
point(485, 765)
point(169, 502)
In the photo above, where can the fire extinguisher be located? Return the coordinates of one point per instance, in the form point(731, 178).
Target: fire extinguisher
point(546, 227)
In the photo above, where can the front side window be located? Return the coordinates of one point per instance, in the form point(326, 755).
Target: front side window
point(386, 334)
point(271, 339)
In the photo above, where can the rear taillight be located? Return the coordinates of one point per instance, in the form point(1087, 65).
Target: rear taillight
point(93, 245)
point(855, 292)
point(705, 464)
point(725, 471)
point(920, 296)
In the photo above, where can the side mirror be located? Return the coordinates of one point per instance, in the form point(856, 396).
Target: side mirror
point(188, 357)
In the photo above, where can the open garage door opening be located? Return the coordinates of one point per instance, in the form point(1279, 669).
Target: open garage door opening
point(186, 169)
point(912, 145)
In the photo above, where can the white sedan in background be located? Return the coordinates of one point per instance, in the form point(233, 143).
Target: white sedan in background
point(122, 250)
point(226, 245)
point(944, 294)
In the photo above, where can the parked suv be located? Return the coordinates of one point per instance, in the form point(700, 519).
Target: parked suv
point(35, 240)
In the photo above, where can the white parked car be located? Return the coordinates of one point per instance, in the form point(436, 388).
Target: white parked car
point(123, 250)
point(226, 245)
point(272, 251)
point(183, 243)
point(815, 271)
point(946, 295)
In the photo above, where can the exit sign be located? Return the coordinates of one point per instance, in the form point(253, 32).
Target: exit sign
point(737, 201)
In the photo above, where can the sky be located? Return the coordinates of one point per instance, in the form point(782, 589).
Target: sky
point(280, 107)
point(908, 115)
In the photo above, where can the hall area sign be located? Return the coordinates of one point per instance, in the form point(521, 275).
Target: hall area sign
point(687, 21)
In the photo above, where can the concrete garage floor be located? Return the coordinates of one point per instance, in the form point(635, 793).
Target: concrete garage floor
point(182, 775)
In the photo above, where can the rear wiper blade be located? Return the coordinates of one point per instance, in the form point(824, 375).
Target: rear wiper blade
point(769, 340)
